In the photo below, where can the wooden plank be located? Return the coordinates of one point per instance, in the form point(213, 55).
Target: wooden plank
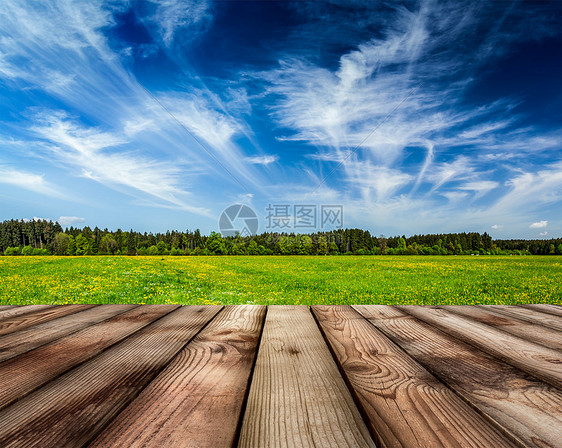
point(546, 308)
point(37, 317)
point(23, 341)
point(405, 405)
point(298, 397)
point(528, 315)
point(537, 360)
point(526, 330)
point(197, 399)
point(15, 311)
point(25, 373)
point(528, 409)
point(71, 410)
point(5, 307)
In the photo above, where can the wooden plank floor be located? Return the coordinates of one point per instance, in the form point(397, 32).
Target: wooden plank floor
point(282, 376)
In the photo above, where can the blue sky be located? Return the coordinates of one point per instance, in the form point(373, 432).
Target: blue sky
point(420, 117)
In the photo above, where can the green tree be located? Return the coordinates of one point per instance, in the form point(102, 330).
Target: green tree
point(82, 245)
point(253, 248)
point(27, 250)
point(322, 245)
point(71, 250)
point(60, 243)
point(161, 246)
point(284, 245)
point(108, 244)
point(305, 245)
point(12, 251)
point(215, 244)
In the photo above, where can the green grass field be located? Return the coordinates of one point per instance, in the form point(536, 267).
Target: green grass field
point(281, 280)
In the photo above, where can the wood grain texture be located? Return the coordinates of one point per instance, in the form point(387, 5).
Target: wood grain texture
point(532, 316)
point(298, 397)
point(528, 409)
point(71, 410)
point(542, 362)
point(23, 341)
point(546, 308)
point(38, 316)
point(405, 405)
point(15, 311)
point(197, 399)
point(25, 373)
point(6, 307)
point(526, 330)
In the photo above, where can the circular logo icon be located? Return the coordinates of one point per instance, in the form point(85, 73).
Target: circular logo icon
point(238, 219)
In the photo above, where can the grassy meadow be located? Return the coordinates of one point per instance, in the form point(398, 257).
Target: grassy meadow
point(281, 280)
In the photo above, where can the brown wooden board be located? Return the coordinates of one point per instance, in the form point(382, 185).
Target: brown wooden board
point(542, 362)
point(526, 330)
point(23, 341)
point(298, 397)
point(5, 307)
point(38, 316)
point(546, 308)
point(71, 410)
point(532, 316)
point(525, 407)
point(405, 405)
point(25, 373)
point(197, 399)
point(14, 311)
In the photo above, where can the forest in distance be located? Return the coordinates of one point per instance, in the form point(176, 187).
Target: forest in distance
point(42, 237)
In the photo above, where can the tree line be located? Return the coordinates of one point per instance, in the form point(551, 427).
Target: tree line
point(41, 237)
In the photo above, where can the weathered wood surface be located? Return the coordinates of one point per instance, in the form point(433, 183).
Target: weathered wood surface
point(405, 405)
point(298, 397)
point(23, 341)
point(37, 316)
point(542, 362)
point(526, 408)
point(23, 374)
point(546, 308)
point(14, 311)
point(199, 396)
point(5, 307)
point(524, 329)
point(531, 315)
point(333, 376)
point(74, 408)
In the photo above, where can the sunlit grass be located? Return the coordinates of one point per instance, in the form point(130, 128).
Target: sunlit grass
point(281, 280)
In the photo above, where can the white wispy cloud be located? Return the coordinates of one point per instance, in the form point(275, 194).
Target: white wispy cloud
point(70, 220)
point(402, 95)
point(92, 151)
point(539, 225)
point(262, 160)
point(480, 188)
point(28, 181)
point(169, 16)
point(61, 48)
point(497, 227)
point(530, 191)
